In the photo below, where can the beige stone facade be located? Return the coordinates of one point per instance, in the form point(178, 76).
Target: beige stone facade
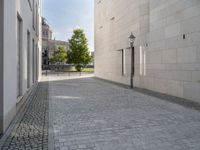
point(46, 30)
point(52, 45)
point(167, 46)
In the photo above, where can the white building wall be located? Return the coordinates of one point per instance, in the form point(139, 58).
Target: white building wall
point(10, 61)
point(11, 10)
point(1, 64)
point(40, 41)
point(164, 61)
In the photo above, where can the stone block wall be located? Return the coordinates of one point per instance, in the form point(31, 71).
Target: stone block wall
point(167, 44)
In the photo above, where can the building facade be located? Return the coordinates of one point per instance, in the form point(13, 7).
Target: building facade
point(46, 30)
point(49, 45)
point(167, 46)
point(20, 52)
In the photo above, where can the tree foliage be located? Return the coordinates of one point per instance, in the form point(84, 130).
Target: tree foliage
point(59, 56)
point(79, 52)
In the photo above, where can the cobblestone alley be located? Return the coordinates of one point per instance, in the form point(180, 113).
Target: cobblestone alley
point(69, 113)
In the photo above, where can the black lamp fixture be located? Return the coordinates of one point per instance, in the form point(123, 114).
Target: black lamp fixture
point(132, 40)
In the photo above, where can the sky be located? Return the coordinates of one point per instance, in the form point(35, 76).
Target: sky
point(64, 16)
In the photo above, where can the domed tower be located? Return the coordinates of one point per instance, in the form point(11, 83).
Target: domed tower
point(46, 30)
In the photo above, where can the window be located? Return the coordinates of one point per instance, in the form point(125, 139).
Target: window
point(29, 2)
point(123, 62)
point(37, 20)
point(36, 63)
point(28, 59)
point(19, 56)
point(33, 17)
point(33, 60)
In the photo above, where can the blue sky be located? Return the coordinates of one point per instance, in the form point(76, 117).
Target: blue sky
point(65, 15)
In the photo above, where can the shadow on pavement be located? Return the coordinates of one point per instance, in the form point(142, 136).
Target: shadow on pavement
point(180, 101)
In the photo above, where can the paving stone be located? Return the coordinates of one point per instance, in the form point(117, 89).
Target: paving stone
point(90, 114)
point(31, 131)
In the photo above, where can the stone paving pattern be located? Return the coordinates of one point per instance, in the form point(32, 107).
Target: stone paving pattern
point(31, 132)
point(90, 114)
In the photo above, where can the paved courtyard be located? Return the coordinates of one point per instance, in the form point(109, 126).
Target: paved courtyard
point(90, 114)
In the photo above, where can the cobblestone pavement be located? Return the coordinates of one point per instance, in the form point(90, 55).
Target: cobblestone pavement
point(89, 114)
point(30, 130)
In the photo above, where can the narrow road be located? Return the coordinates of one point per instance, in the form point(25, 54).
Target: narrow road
point(72, 113)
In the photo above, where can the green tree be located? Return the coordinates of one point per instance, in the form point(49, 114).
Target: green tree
point(59, 56)
point(79, 52)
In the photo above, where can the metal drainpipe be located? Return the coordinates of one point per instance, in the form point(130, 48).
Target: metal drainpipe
point(132, 64)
